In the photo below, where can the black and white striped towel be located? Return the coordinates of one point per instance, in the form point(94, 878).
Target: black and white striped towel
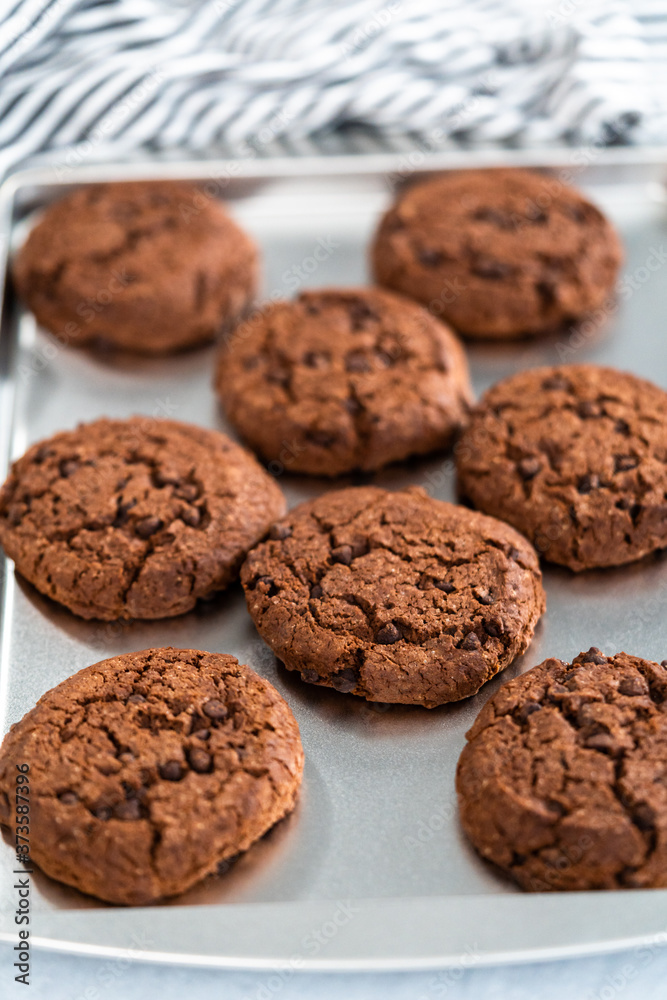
point(83, 80)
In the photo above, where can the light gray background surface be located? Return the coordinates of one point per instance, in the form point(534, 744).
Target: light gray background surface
point(640, 974)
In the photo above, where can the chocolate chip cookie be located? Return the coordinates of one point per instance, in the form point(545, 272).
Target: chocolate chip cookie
point(149, 769)
point(344, 379)
point(395, 597)
point(134, 518)
point(563, 782)
point(498, 253)
point(147, 266)
point(576, 458)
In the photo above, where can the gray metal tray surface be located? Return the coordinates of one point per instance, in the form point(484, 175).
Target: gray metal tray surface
point(371, 871)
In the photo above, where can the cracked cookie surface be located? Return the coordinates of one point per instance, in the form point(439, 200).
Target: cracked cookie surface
point(576, 457)
point(147, 266)
point(149, 769)
point(395, 597)
point(344, 379)
point(563, 781)
point(498, 253)
point(134, 518)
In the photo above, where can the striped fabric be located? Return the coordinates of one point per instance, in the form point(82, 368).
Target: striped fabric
point(83, 80)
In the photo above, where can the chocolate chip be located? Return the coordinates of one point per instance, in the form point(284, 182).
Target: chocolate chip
point(148, 526)
point(200, 761)
point(556, 382)
point(310, 676)
point(325, 439)
point(191, 516)
point(201, 734)
point(623, 463)
point(547, 290)
point(588, 483)
point(278, 376)
point(601, 741)
point(102, 812)
point(529, 467)
point(316, 359)
point(528, 709)
point(342, 554)
point(279, 532)
point(360, 314)
point(166, 477)
point(632, 686)
point(482, 595)
point(644, 816)
point(68, 798)
point(316, 592)
point(68, 467)
point(445, 586)
point(556, 807)
point(513, 554)
point(122, 513)
point(430, 258)
point(494, 628)
point(488, 267)
point(345, 680)
point(593, 656)
point(187, 491)
point(172, 771)
point(15, 513)
point(357, 362)
point(663, 663)
point(388, 634)
point(499, 219)
point(470, 642)
point(586, 409)
point(575, 213)
point(130, 809)
point(135, 699)
point(215, 709)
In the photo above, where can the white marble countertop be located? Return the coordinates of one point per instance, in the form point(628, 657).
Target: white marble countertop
point(640, 974)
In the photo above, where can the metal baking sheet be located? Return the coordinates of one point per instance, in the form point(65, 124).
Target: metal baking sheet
point(371, 871)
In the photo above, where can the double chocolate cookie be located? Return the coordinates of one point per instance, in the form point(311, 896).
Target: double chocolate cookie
point(576, 458)
point(563, 782)
point(498, 253)
point(134, 518)
point(395, 597)
point(149, 769)
point(147, 266)
point(344, 379)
